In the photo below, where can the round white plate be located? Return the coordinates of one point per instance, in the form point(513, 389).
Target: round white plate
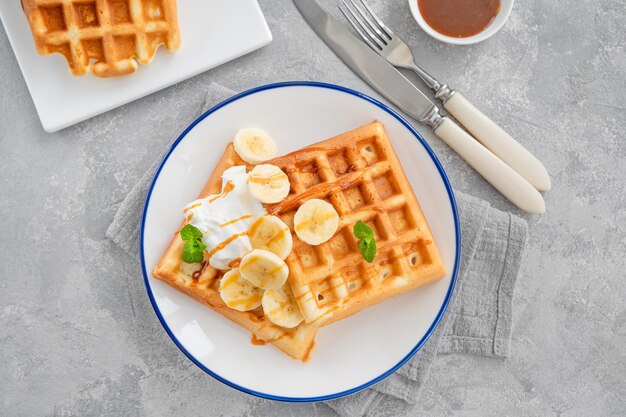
point(351, 354)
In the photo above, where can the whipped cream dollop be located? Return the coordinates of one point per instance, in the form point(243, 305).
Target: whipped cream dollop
point(224, 218)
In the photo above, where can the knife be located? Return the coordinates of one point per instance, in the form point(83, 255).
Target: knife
point(390, 83)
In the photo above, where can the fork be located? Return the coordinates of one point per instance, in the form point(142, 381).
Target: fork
point(388, 45)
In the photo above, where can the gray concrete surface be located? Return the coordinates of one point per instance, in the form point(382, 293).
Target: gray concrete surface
point(79, 337)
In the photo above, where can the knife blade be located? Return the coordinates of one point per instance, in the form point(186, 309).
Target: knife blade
point(373, 69)
point(391, 84)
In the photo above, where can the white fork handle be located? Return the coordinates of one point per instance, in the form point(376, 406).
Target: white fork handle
point(498, 141)
point(504, 179)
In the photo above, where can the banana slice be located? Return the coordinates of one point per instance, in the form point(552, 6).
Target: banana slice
point(315, 222)
point(268, 183)
point(263, 269)
point(281, 308)
point(254, 145)
point(272, 234)
point(238, 293)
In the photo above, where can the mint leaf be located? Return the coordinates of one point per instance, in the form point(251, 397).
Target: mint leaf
point(361, 230)
point(368, 249)
point(193, 251)
point(190, 232)
point(367, 245)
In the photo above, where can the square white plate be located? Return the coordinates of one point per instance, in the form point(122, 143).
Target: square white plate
point(212, 33)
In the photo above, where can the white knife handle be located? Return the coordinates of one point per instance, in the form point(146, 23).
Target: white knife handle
point(497, 173)
point(498, 141)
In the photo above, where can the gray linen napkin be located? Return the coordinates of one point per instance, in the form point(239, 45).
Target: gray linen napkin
point(478, 319)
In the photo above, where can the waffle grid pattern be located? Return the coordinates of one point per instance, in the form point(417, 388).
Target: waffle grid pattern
point(110, 32)
point(360, 175)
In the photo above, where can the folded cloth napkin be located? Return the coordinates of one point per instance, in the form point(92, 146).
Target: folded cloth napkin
point(478, 319)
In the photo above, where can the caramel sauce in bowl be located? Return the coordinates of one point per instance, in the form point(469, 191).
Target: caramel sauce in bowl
point(461, 22)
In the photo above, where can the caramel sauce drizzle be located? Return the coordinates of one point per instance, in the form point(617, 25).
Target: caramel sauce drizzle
point(349, 269)
point(273, 271)
point(247, 216)
point(341, 184)
point(308, 223)
point(302, 154)
point(199, 272)
point(280, 308)
point(227, 189)
point(256, 341)
point(234, 263)
point(191, 207)
point(253, 259)
point(414, 247)
point(225, 243)
point(276, 237)
point(243, 302)
point(266, 180)
point(255, 318)
point(351, 168)
point(276, 269)
point(311, 168)
point(377, 209)
point(315, 166)
point(255, 225)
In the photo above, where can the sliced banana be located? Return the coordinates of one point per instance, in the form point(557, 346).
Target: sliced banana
point(263, 269)
point(315, 222)
point(254, 145)
point(281, 308)
point(268, 183)
point(238, 293)
point(272, 234)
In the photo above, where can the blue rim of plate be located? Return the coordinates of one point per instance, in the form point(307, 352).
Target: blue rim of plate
point(455, 213)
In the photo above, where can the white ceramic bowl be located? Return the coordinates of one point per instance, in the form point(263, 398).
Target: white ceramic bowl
point(489, 31)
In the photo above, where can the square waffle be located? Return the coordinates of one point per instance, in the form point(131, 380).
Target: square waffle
point(201, 282)
point(105, 37)
point(358, 173)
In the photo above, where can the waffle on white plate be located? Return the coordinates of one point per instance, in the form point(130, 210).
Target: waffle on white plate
point(359, 174)
point(106, 37)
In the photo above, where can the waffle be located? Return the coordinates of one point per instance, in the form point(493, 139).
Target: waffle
point(105, 37)
point(200, 282)
point(360, 175)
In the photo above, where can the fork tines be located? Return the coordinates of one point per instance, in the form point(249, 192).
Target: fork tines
point(366, 23)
